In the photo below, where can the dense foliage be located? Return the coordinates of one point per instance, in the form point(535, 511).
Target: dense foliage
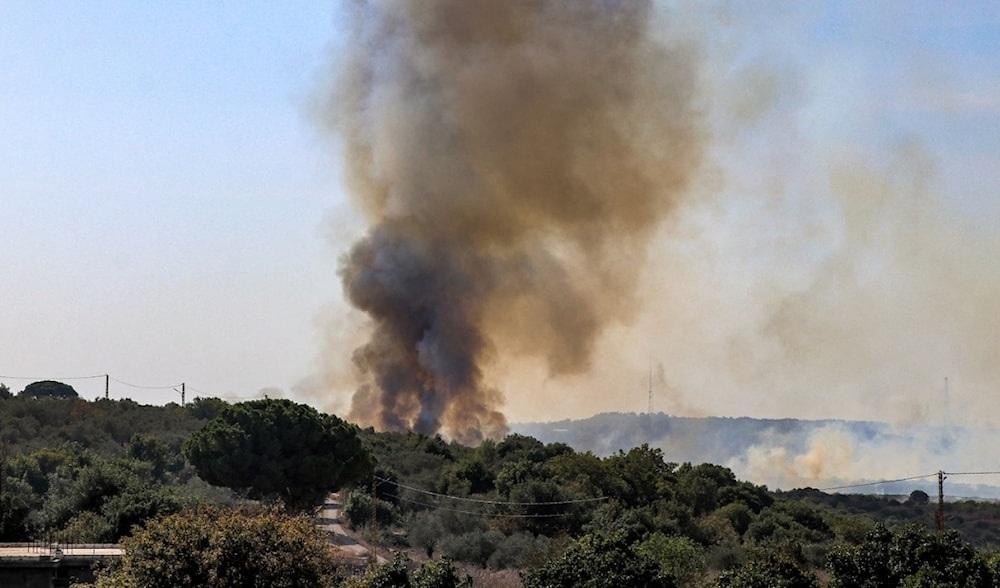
point(89, 471)
point(70, 494)
point(676, 524)
point(397, 574)
point(910, 556)
point(223, 549)
point(102, 426)
point(599, 560)
point(977, 522)
point(99, 471)
point(681, 518)
point(278, 450)
point(770, 570)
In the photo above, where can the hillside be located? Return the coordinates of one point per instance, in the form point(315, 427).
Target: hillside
point(795, 453)
point(694, 439)
point(92, 471)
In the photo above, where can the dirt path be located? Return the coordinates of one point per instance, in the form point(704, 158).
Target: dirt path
point(330, 519)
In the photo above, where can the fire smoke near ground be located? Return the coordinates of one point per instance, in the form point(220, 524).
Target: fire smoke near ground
point(513, 160)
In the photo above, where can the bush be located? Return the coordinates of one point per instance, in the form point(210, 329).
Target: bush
point(16, 503)
point(395, 574)
point(910, 556)
point(519, 551)
point(738, 514)
point(152, 451)
point(771, 571)
point(678, 557)
point(87, 527)
point(391, 575)
point(790, 521)
point(424, 530)
point(358, 510)
point(598, 561)
point(473, 547)
point(726, 556)
point(439, 574)
point(222, 549)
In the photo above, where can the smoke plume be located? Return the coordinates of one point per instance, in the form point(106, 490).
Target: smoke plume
point(512, 159)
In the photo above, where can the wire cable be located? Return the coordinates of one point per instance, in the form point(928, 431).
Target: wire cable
point(482, 514)
point(52, 378)
point(484, 501)
point(143, 387)
point(971, 473)
point(877, 483)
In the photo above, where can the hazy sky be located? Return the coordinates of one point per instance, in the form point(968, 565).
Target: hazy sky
point(164, 197)
point(171, 212)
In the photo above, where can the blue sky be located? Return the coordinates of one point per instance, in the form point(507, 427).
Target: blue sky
point(167, 203)
point(164, 195)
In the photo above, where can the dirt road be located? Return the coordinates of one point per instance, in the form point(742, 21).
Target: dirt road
point(330, 519)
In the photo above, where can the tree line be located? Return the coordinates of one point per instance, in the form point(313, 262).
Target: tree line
point(230, 483)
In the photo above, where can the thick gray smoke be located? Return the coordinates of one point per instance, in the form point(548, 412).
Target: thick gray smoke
point(513, 159)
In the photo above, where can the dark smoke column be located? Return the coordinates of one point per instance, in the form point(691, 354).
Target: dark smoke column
point(514, 157)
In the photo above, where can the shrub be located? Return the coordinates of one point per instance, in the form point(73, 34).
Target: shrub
point(395, 574)
point(358, 510)
point(518, 551)
point(910, 556)
point(87, 527)
point(678, 557)
point(771, 571)
point(598, 561)
point(391, 575)
point(439, 574)
point(221, 549)
point(424, 530)
point(474, 547)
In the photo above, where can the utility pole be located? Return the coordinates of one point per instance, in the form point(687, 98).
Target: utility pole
point(183, 393)
point(107, 385)
point(939, 516)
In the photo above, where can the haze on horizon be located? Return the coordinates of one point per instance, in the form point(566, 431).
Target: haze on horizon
point(174, 211)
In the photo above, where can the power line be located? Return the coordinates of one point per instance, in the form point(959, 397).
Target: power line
point(173, 387)
point(983, 473)
point(880, 482)
point(484, 501)
point(144, 387)
point(51, 378)
point(972, 473)
point(482, 514)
